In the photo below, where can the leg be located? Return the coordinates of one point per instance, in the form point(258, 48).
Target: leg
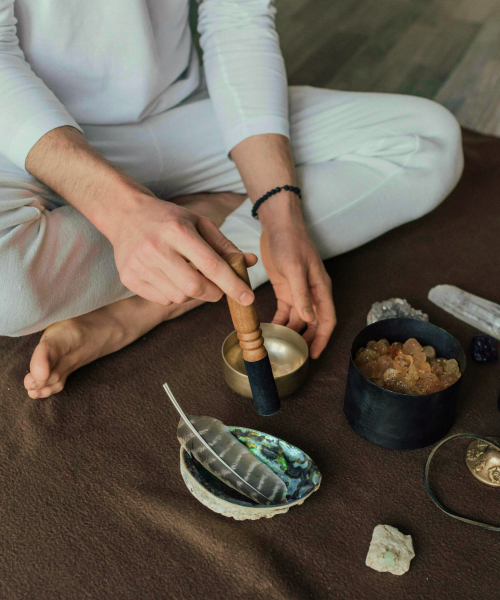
point(53, 263)
point(366, 163)
point(356, 153)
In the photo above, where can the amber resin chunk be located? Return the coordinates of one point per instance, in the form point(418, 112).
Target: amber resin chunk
point(429, 352)
point(394, 350)
point(411, 346)
point(403, 362)
point(385, 362)
point(394, 374)
point(420, 357)
point(412, 376)
point(382, 347)
point(449, 379)
point(423, 367)
point(451, 366)
point(363, 358)
point(397, 386)
point(406, 368)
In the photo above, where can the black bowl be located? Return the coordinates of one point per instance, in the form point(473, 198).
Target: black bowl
point(402, 421)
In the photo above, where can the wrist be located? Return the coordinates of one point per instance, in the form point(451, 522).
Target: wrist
point(122, 203)
point(281, 210)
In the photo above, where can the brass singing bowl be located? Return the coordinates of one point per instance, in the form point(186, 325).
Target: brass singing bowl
point(288, 353)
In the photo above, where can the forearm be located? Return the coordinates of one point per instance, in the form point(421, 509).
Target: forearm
point(265, 162)
point(66, 163)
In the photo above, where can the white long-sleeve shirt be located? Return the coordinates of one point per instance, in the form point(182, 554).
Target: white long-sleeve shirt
point(70, 62)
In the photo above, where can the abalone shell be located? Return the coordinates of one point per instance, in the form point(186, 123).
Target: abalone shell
point(300, 474)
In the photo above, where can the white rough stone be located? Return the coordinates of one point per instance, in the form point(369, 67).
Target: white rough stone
point(390, 550)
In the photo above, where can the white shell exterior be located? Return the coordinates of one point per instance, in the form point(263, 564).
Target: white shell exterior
point(228, 509)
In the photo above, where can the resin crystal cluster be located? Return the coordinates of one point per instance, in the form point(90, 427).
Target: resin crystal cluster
point(408, 368)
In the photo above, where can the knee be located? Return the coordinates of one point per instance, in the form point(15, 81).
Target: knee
point(442, 128)
point(440, 157)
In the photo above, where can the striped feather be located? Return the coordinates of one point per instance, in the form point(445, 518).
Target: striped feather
point(221, 453)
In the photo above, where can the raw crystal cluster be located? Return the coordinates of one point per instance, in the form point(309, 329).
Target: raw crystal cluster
point(392, 309)
point(406, 368)
point(390, 550)
point(484, 348)
point(476, 311)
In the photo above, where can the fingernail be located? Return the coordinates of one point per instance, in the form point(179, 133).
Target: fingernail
point(309, 313)
point(34, 385)
point(246, 298)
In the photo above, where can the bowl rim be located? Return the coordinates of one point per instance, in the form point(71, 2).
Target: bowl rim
point(399, 394)
point(294, 333)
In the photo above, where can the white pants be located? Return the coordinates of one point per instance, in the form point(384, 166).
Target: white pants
point(366, 163)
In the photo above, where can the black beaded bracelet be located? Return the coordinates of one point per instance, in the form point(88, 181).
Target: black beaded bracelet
point(288, 188)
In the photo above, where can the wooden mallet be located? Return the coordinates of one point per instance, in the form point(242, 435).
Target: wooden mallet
point(257, 364)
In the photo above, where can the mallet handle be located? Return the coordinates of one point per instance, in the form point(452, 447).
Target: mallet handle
point(245, 318)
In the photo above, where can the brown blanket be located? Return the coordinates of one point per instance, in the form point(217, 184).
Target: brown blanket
point(92, 504)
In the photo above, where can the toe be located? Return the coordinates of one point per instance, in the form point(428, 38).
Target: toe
point(29, 380)
point(40, 366)
point(47, 390)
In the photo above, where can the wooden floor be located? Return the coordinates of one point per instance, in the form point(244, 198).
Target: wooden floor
point(448, 50)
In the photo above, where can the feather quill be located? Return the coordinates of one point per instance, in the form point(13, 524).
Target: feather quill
point(221, 453)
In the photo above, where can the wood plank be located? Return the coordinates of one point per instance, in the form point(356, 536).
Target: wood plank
point(394, 68)
point(481, 108)
point(464, 80)
point(476, 11)
point(302, 37)
point(372, 15)
point(449, 43)
point(322, 65)
point(421, 80)
point(363, 71)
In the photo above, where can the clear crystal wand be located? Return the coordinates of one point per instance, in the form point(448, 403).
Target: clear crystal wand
point(476, 311)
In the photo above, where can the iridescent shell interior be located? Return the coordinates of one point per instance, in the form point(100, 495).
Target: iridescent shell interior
point(292, 465)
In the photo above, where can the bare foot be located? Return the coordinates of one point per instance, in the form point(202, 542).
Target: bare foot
point(68, 345)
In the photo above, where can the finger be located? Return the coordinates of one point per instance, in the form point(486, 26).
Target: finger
point(165, 286)
point(327, 318)
point(310, 333)
point(295, 322)
point(297, 278)
point(205, 251)
point(175, 274)
point(282, 315)
point(145, 290)
point(250, 258)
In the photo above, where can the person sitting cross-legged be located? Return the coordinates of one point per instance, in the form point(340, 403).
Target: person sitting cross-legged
point(128, 172)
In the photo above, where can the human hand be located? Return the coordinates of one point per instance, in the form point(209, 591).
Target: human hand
point(154, 245)
point(302, 286)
